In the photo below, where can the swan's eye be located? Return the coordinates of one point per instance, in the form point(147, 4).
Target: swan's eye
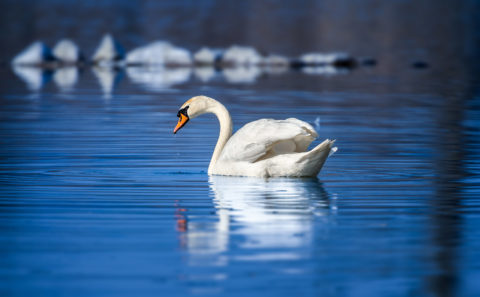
point(183, 111)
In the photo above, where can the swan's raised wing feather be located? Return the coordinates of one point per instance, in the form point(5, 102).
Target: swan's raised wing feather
point(267, 138)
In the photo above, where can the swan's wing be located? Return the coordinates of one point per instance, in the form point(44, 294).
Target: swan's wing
point(267, 138)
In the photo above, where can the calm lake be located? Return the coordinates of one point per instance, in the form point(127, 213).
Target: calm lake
point(99, 198)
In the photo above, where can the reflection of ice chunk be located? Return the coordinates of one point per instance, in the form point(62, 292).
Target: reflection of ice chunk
point(334, 59)
point(35, 54)
point(275, 69)
point(67, 51)
point(108, 78)
point(159, 53)
point(241, 55)
point(207, 56)
point(109, 50)
point(205, 74)
point(66, 77)
point(322, 70)
point(242, 74)
point(158, 78)
point(34, 77)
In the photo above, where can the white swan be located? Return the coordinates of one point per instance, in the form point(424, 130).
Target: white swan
point(262, 148)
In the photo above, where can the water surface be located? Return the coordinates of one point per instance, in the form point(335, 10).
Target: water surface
point(99, 198)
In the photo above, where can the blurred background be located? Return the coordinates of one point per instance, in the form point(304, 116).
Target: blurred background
point(395, 32)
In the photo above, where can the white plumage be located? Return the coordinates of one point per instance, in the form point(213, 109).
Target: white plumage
point(266, 138)
point(262, 148)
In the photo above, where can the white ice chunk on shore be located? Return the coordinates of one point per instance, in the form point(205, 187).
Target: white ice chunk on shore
point(159, 53)
point(67, 51)
point(241, 55)
point(34, 55)
point(109, 50)
point(207, 56)
point(325, 59)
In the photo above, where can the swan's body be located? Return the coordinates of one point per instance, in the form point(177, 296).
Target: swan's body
point(262, 148)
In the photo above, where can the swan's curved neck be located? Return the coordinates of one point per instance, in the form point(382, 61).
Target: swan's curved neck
point(226, 127)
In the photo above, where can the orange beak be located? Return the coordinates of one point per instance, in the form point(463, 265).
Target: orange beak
point(182, 120)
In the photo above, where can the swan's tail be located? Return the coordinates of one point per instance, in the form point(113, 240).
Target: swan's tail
point(315, 158)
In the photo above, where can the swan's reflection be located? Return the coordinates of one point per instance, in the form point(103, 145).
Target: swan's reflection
point(159, 78)
point(259, 214)
point(34, 77)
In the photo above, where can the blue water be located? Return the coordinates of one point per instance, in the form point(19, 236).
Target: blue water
point(98, 196)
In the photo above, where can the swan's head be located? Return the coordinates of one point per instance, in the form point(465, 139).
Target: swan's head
point(194, 107)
